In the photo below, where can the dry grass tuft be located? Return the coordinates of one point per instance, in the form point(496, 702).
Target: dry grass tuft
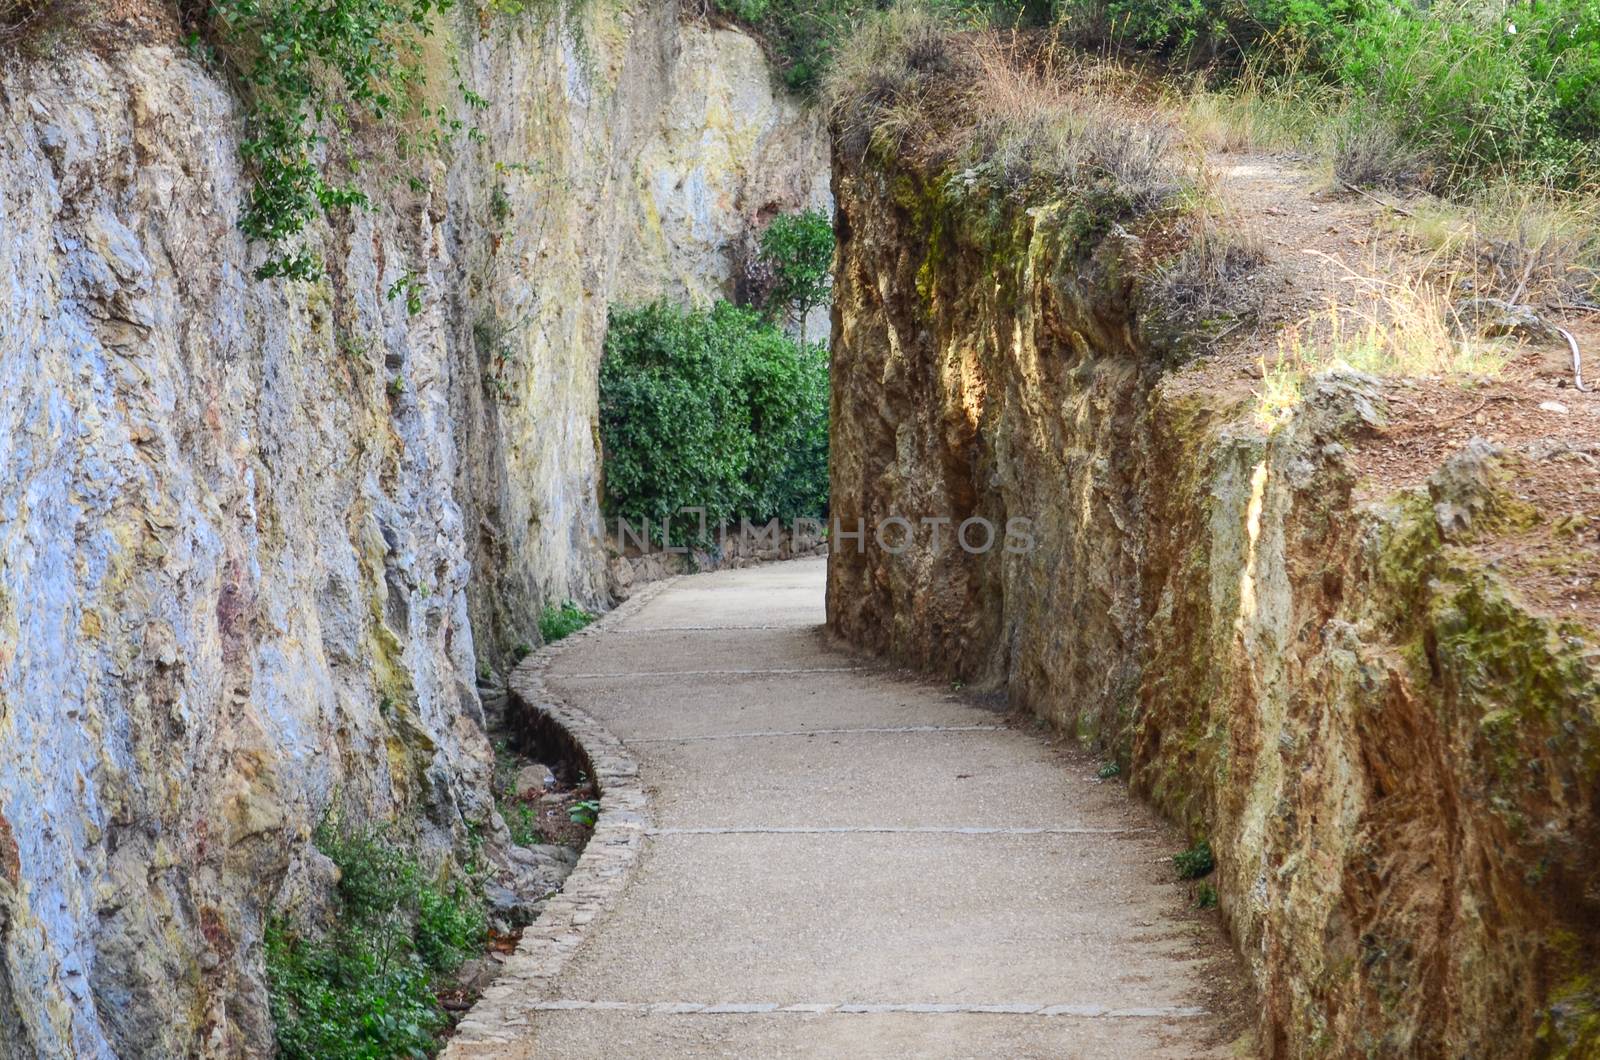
point(1022, 115)
point(1020, 111)
point(1369, 153)
point(878, 85)
point(1206, 281)
point(1261, 111)
point(1396, 327)
point(1518, 242)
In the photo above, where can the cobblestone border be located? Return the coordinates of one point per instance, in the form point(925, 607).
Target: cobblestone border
point(504, 1014)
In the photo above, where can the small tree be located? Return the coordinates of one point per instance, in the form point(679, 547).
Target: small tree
point(798, 249)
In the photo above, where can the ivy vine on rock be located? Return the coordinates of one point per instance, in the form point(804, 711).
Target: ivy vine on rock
point(311, 72)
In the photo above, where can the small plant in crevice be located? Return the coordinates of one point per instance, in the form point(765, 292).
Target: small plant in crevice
point(408, 285)
point(499, 205)
point(1205, 896)
point(522, 821)
point(585, 812)
point(498, 355)
point(556, 622)
point(521, 651)
point(365, 985)
point(1108, 770)
point(1195, 862)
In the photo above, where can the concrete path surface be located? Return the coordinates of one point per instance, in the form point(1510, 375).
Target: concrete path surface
point(843, 861)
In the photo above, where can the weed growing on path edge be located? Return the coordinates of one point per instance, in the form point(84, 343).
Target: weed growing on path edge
point(1205, 896)
point(556, 622)
point(1195, 862)
point(586, 812)
point(365, 985)
point(1108, 770)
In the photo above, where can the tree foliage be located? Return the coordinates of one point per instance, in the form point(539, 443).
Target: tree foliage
point(797, 248)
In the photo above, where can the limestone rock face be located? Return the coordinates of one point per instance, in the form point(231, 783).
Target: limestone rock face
point(255, 536)
point(1393, 755)
point(625, 159)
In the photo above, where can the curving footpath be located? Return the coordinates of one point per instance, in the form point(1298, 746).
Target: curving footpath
point(816, 856)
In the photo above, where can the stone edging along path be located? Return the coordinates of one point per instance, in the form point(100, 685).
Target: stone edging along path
point(502, 1014)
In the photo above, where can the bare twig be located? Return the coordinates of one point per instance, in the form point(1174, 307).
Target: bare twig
point(1527, 274)
point(1401, 210)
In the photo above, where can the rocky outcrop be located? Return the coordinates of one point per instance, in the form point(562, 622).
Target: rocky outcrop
point(255, 537)
point(1393, 755)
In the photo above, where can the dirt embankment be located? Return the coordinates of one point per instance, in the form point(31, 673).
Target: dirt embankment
point(1356, 650)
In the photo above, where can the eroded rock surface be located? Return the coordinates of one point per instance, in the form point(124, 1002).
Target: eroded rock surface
point(1393, 755)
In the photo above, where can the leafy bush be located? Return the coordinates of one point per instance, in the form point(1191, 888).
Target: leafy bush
point(711, 408)
point(1195, 862)
point(1471, 86)
point(365, 987)
point(557, 622)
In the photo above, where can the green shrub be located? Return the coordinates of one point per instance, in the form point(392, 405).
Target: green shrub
point(711, 408)
point(365, 988)
point(1195, 862)
point(557, 622)
point(1471, 86)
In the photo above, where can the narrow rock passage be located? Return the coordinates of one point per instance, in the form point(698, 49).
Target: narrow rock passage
point(844, 862)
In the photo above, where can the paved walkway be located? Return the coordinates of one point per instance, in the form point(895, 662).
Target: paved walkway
point(843, 862)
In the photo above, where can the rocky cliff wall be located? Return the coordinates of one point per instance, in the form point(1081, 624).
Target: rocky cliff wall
point(255, 537)
point(1393, 754)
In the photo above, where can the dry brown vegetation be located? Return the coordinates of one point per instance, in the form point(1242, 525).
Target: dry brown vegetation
point(29, 24)
point(1033, 119)
point(1034, 113)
